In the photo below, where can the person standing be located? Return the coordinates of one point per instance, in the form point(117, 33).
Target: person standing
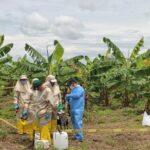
point(41, 106)
point(51, 82)
point(21, 100)
point(76, 100)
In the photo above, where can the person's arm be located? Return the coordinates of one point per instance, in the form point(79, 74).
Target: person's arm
point(75, 94)
point(50, 97)
point(16, 97)
point(59, 96)
point(27, 100)
point(16, 101)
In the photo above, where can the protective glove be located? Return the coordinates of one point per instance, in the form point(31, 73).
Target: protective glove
point(60, 107)
point(47, 116)
point(24, 114)
point(16, 107)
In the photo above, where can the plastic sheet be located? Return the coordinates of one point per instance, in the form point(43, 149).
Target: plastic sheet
point(146, 119)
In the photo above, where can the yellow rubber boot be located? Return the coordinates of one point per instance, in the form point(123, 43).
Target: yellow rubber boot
point(49, 126)
point(35, 126)
point(29, 130)
point(44, 133)
point(20, 127)
point(53, 125)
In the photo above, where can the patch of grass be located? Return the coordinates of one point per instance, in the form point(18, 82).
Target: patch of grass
point(96, 108)
point(128, 112)
point(115, 104)
point(101, 120)
point(138, 119)
point(105, 112)
point(111, 142)
point(7, 112)
point(3, 133)
point(140, 104)
point(88, 116)
point(114, 119)
point(131, 147)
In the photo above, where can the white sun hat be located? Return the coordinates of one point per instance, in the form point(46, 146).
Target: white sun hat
point(23, 77)
point(51, 78)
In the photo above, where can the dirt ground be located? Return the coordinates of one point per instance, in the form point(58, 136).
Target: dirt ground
point(93, 141)
point(101, 119)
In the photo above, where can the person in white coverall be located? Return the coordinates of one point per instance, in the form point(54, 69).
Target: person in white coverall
point(51, 83)
point(21, 100)
point(40, 107)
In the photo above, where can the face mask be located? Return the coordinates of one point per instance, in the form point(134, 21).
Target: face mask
point(52, 83)
point(36, 92)
point(23, 82)
point(71, 87)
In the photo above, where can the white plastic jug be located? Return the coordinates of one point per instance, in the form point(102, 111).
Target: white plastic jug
point(146, 119)
point(60, 140)
point(37, 136)
point(44, 144)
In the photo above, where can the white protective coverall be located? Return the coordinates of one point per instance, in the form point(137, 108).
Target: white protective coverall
point(51, 83)
point(40, 107)
point(21, 99)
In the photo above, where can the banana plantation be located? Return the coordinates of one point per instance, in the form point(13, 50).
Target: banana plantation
point(117, 88)
point(105, 78)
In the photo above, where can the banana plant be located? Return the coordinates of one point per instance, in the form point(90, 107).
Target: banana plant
point(103, 75)
point(4, 59)
point(50, 63)
point(70, 68)
point(127, 65)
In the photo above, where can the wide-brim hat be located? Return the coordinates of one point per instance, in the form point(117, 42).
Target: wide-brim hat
point(23, 77)
point(51, 78)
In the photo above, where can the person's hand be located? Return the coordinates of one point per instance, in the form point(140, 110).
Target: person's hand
point(67, 97)
point(55, 108)
point(24, 114)
point(47, 116)
point(60, 107)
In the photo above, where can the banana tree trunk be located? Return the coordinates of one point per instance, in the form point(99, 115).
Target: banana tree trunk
point(126, 98)
point(106, 97)
point(86, 101)
point(101, 96)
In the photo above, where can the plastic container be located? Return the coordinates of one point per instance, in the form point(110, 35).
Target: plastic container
point(43, 144)
point(146, 119)
point(37, 136)
point(60, 140)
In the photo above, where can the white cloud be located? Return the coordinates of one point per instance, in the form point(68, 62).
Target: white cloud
point(35, 24)
point(79, 24)
point(38, 42)
point(67, 27)
point(89, 4)
point(93, 5)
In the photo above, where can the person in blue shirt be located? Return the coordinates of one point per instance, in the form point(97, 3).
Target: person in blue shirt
point(76, 100)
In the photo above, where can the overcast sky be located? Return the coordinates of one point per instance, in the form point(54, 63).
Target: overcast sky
point(79, 25)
